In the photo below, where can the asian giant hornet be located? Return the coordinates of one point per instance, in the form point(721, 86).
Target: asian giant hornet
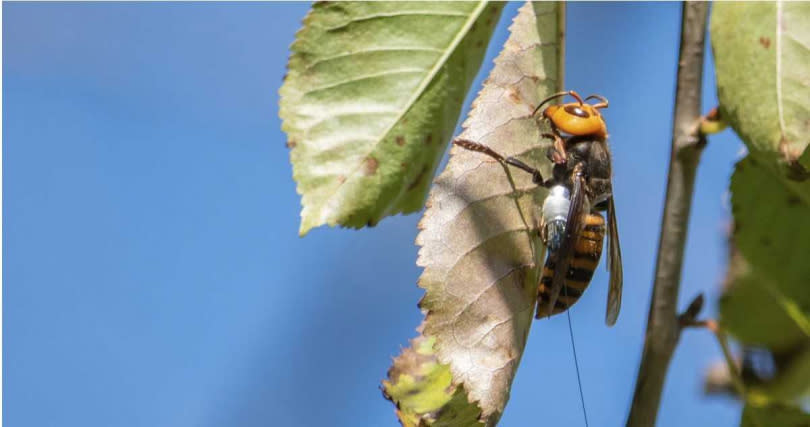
point(580, 186)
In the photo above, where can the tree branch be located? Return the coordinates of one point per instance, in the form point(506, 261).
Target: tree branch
point(663, 327)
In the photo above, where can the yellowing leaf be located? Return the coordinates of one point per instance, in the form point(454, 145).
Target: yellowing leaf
point(372, 95)
point(422, 389)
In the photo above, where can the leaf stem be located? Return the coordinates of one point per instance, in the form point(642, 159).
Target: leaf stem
point(663, 327)
point(736, 376)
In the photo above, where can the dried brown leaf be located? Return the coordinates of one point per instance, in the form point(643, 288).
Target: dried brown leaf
point(479, 245)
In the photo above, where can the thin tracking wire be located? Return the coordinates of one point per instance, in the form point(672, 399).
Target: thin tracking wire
point(576, 364)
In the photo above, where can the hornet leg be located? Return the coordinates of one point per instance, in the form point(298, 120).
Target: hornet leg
point(537, 177)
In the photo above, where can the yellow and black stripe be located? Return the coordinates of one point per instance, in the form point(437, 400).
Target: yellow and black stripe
point(587, 251)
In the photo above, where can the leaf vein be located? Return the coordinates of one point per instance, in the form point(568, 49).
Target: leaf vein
point(779, 31)
point(394, 15)
point(487, 286)
point(798, 41)
point(465, 29)
point(340, 114)
point(364, 77)
point(374, 50)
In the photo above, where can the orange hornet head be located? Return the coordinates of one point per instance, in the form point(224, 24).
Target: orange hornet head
point(577, 118)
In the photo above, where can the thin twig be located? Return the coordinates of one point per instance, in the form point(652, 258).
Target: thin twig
point(663, 327)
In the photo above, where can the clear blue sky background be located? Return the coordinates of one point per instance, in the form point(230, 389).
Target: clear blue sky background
point(153, 273)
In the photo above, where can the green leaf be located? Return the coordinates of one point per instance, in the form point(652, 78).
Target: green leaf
point(768, 273)
point(479, 246)
point(762, 62)
point(372, 94)
point(767, 301)
point(774, 416)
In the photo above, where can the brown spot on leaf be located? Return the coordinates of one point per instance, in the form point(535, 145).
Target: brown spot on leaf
point(291, 144)
point(415, 391)
point(341, 179)
point(514, 95)
point(428, 139)
point(790, 154)
point(765, 42)
point(479, 43)
point(400, 140)
point(370, 165)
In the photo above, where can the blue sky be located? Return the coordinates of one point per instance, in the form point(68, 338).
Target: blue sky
point(153, 272)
